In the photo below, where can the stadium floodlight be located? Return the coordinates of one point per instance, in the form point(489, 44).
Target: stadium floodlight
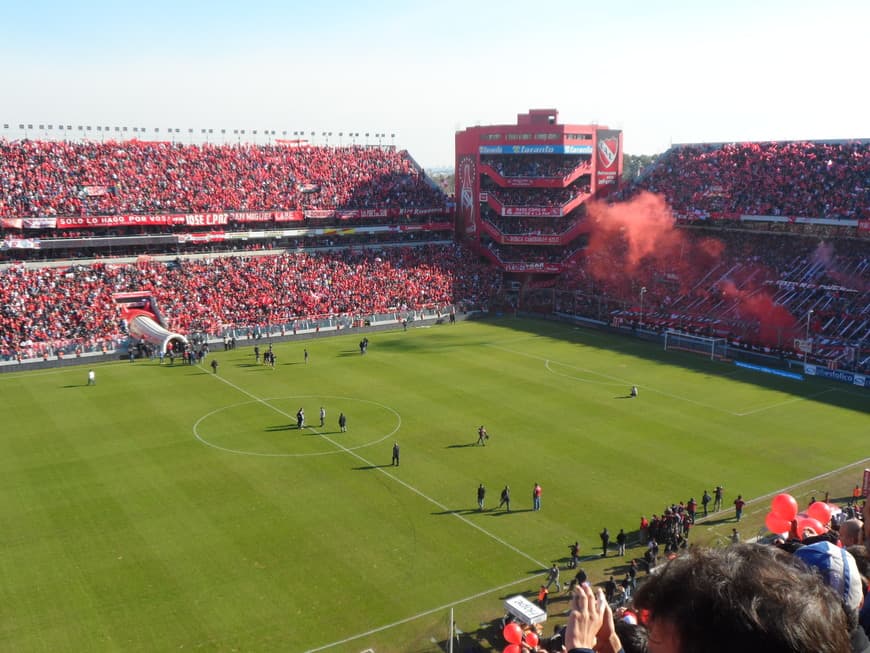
point(807, 347)
point(642, 293)
point(69, 128)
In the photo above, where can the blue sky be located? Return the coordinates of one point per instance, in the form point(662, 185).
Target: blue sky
point(661, 71)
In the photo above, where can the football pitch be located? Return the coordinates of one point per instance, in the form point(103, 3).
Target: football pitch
point(170, 508)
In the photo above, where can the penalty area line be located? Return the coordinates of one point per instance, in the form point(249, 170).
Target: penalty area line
point(621, 381)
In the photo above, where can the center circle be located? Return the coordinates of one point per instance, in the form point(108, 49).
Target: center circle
point(267, 427)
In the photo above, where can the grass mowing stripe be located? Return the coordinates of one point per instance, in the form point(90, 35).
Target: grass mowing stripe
point(392, 477)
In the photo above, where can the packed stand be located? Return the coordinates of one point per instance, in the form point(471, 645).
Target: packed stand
point(819, 287)
point(542, 166)
point(45, 309)
point(795, 179)
point(515, 225)
point(536, 196)
point(57, 178)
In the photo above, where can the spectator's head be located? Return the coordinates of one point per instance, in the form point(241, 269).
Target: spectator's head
point(633, 636)
point(744, 597)
point(839, 571)
point(852, 532)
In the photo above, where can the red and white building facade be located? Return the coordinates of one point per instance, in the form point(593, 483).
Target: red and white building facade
point(521, 190)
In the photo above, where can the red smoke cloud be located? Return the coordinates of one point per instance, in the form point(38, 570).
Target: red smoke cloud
point(636, 239)
point(775, 323)
point(636, 244)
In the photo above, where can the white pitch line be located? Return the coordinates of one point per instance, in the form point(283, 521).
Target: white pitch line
point(420, 615)
point(615, 378)
point(547, 362)
point(407, 486)
point(764, 497)
point(784, 403)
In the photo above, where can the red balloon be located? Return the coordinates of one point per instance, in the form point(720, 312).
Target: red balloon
point(776, 524)
point(809, 522)
point(513, 633)
point(532, 638)
point(821, 511)
point(785, 506)
point(512, 648)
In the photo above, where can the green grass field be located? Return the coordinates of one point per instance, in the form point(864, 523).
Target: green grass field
point(168, 508)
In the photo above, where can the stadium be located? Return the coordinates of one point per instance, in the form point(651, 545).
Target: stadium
point(628, 343)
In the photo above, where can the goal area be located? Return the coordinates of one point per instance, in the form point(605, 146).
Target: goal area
point(714, 348)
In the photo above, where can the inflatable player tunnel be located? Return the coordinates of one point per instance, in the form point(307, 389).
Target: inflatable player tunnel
point(144, 321)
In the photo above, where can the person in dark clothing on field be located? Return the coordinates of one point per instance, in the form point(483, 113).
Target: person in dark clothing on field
point(505, 498)
point(705, 501)
point(605, 541)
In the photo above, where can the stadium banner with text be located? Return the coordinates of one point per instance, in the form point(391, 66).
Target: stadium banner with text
point(532, 211)
point(319, 214)
point(267, 216)
point(97, 221)
point(205, 237)
point(206, 219)
point(864, 227)
point(20, 243)
point(515, 266)
point(535, 149)
point(531, 239)
point(842, 376)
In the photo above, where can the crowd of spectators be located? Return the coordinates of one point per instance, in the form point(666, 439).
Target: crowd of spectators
point(528, 226)
point(823, 286)
point(50, 178)
point(538, 165)
point(795, 179)
point(45, 309)
point(531, 253)
point(550, 197)
point(802, 588)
